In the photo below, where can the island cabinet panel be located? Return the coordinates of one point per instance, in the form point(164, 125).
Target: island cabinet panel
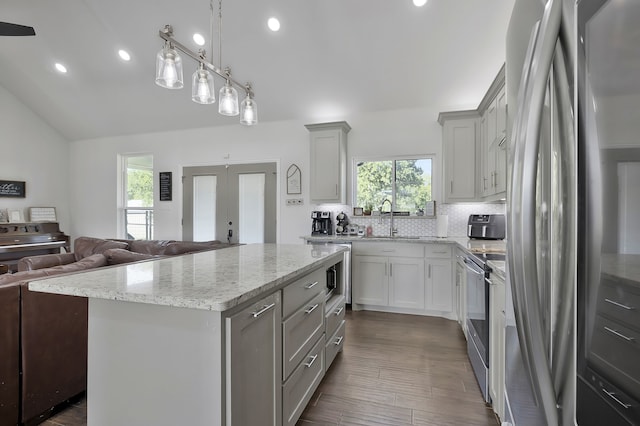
point(335, 343)
point(253, 364)
point(298, 389)
point(334, 328)
point(300, 332)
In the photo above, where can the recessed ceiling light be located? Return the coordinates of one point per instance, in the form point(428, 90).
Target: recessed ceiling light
point(61, 68)
point(419, 3)
point(199, 39)
point(274, 24)
point(124, 55)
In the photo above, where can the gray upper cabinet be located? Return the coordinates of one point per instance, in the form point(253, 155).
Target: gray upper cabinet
point(328, 171)
point(475, 148)
point(460, 140)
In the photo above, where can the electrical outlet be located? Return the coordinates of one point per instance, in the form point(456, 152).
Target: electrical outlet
point(295, 202)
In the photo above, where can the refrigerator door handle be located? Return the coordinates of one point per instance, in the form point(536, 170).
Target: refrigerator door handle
point(522, 212)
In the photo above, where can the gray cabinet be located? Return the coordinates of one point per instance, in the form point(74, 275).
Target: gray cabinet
point(254, 364)
point(459, 140)
point(494, 140)
point(328, 171)
point(334, 329)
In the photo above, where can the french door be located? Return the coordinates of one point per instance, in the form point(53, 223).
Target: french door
point(233, 203)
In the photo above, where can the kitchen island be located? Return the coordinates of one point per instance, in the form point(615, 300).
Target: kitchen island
point(205, 338)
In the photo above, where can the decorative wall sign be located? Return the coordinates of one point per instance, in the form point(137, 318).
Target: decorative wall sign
point(166, 186)
point(12, 188)
point(294, 177)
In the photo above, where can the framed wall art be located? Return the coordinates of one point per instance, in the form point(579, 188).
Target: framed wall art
point(294, 180)
point(12, 188)
point(4, 216)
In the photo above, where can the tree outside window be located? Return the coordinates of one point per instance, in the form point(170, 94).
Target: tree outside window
point(411, 191)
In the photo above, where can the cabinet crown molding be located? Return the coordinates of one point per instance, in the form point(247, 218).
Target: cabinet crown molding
point(332, 125)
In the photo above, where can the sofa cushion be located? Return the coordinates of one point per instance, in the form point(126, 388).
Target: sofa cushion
point(22, 276)
point(86, 246)
point(183, 247)
point(94, 261)
point(30, 263)
point(119, 256)
point(149, 246)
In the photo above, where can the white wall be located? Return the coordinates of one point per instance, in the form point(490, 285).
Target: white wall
point(33, 152)
point(94, 164)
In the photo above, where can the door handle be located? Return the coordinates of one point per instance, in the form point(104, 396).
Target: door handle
point(311, 309)
point(264, 309)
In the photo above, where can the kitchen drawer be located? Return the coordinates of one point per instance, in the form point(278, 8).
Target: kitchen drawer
point(619, 302)
point(334, 345)
point(437, 251)
point(615, 352)
point(334, 316)
point(300, 332)
point(389, 249)
point(298, 390)
point(302, 290)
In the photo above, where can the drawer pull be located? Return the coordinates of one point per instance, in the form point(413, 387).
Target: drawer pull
point(264, 309)
point(311, 309)
point(614, 332)
point(339, 311)
point(619, 305)
point(388, 251)
point(312, 285)
point(338, 341)
point(441, 252)
point(310, 363)
point(612, 395)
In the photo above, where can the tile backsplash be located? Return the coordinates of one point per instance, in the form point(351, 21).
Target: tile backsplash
point(458, 215)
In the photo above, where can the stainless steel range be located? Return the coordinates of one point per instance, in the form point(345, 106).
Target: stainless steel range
point(478, 287)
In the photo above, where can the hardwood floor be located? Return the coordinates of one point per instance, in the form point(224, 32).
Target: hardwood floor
point(394, 370)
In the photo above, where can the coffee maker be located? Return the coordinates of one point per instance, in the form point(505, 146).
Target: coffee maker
point(321, 224)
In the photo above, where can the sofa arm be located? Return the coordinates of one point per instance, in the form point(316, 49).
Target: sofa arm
point(31, 263)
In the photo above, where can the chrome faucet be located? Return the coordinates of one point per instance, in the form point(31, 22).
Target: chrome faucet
point(392, 230)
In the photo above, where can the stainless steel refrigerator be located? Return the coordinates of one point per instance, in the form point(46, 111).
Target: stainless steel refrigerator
point(573, 299)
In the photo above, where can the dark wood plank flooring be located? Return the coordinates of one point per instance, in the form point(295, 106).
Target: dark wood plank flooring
point(394, 370)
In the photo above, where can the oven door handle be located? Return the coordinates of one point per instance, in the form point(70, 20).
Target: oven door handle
point(471, 267)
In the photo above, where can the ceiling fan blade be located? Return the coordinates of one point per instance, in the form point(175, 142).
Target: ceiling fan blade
point(8, 29)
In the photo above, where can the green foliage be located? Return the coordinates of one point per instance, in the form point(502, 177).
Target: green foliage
point(140, 186)
point(413, 185)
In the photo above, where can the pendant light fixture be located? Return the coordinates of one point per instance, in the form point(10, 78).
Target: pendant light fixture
point(169, 65)
point(202, 90)
point(169, 75)
point(248, 108)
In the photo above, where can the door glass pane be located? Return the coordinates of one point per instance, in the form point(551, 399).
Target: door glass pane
point(251, 208)
point(204, 208)
point(139, 197)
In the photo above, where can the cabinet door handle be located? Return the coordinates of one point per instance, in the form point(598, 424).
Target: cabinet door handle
point(310, 363)
point(429, 274)
point(312, 285)
point(489, 281)
point(619, 305)
point(385, 269)
point(485, 183)
point(441, 252)
point(338, 341)
point(612, 395)
point(336, 189)
point(616, 333)
point(388, 251)
point(264, 309)
point(339, 311)
point(451, 187)
point(311, 309)
point(391, 269)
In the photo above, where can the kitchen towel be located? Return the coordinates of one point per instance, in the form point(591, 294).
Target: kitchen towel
point(442, 226)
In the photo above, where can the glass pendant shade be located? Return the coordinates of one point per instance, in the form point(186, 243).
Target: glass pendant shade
point(248, 112)
point(169, 68)
point(202, 90)
point(228, 100)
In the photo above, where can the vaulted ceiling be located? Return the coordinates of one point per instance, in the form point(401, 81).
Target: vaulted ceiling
point(330, 59)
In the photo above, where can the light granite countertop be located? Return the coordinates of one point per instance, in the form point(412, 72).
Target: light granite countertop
point(474, 246)
point(212, 280)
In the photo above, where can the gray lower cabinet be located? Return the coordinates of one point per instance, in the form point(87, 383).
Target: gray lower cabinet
point(334, 329)
point(300, 332)
point(254, 369)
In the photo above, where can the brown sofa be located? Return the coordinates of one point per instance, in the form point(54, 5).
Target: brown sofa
point(43, 337)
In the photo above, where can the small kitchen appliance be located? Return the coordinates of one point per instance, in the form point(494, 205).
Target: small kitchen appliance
point(486, 226)
point(321, 224)
point(341, 226)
